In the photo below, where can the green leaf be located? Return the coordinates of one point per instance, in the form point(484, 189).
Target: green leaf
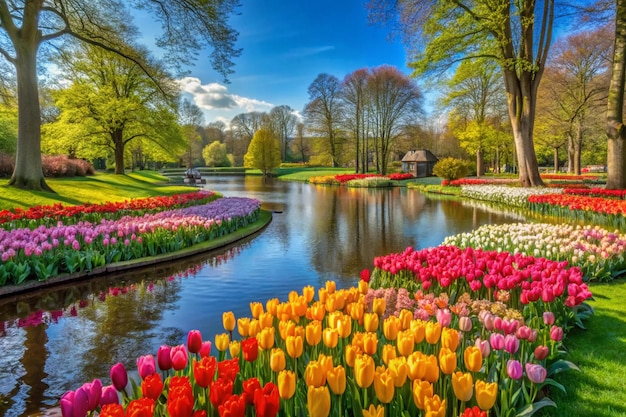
point(531, 409)
point(562, 365)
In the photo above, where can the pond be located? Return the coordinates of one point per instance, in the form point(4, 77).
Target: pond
point(56, 339)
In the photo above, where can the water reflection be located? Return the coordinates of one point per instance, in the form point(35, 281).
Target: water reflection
point(58, 338)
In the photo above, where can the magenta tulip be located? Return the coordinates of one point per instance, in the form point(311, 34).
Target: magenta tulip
point(541, 352)
point(205, 350)
point(109, 396)
point(146, 366)
point(163, 357)
point(511, 343)
point(179, 357)
point(497, 341)
point(514, 369)
point(194, 341)
point(119, 377)
point(94, 392)
point(536, 373)
point(556, 333)
point(67, 404)
point(80, 406)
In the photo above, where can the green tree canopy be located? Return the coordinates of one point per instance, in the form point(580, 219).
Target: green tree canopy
point(263, 152)
point(215, 155)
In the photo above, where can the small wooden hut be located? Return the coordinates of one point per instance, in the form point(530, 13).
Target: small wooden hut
point(419, 162)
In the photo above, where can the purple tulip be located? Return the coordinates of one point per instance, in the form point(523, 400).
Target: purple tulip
point(67, 404)
point(80, 407)
point(119, 377)
point(514, 369)
point(163, 357)
point(146, 366)
point(179, 357)
point(511, 343)
point(109, 396)
point(194, 341)
point(536, 373)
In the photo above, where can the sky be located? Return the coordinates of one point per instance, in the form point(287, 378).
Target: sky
point(285, 46)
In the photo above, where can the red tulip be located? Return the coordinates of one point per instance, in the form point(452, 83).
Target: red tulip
point(194, 341)
point(204, 370)
point(220, 390)
point(266, 401)
point(541, 352)
point(233, 406)
point(119, 377)
point(180, 399)
point(143, 407)
point(250, 386)
point(228, 369)
point(112, 410)
point(152, 386)
point(179, 357)
point(250, 348)
point(163, 357)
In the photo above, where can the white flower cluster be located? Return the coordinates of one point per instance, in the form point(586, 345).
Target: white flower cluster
point(511, 196)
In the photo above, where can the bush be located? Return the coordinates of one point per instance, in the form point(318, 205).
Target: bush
point(62, 166)
point(451, 168)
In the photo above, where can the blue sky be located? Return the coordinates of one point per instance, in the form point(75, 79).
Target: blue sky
point(286, 44)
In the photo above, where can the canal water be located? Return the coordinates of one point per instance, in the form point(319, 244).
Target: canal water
point(56, 339)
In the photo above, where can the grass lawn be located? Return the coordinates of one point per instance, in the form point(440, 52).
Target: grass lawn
point(95, 189)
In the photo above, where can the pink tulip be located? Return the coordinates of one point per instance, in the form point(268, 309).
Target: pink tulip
point(483, 345)
point(163, 357)
point(205, 350)
point(444, 317)
point(465, 324)
point(179, 357)
point(556, 333)
point(109, 396)
point(146, 366)
point(497, 341)
point(514, 369)
point(548, 318)
point(541, 352)
point(511, 343)
point(119, 377)
point(194, 341)
point(535, 373)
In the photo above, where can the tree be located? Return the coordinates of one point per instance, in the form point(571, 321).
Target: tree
point(25, 26)
point(243, 127)
point(517, 35)
point(116, 102)
point(324, 112)
point(215, 155)
point(615, 130)
point(354, 94)
point(263, 152)
point(301, 144)
point(283, 121)
point(191, 119)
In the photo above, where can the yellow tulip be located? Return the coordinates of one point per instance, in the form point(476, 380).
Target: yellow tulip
point(292, 295)
point(370, 322)
point(243, 326)
point(254, 328)
point(421, 390)
point(283, 311)
point(405, 342)
point(221, 341)
point(363, 287)
point(391, 327)
point(431, 372)
point(228, 321)
point(486, 394)
point(331, 337)
point(318, 401)
point(270, 306)
point(309, 293)
point(357, 312)
point(286, 328)
point(450, 338)
point(313, 332)
point(314, 374)
point(277, 360)
point(399, 371)
point(433, 332)
point(299, 306)
point(434, 406)
point(364, 370)
point(405, 318)
point(298, 331)
point(331, 287)
point(294, 346)
point(331, 303)
point(266, 338)
point(316, 311)
point(333, 318)
point(378, 411)
point(234, 347)
point(447, 360)
point(463, 386)
point(352, 351)
point(379, 305)
point(389, 353)
point(326, 361)
point(473, 358)
point(341, 298)
point(266, 320)
point(322, 295)
point(344, 326)
point(256, 309)
point(286, 384)
point(370, 343)
point(384, 386)
point(418, 327)
point(417, 365)
point(336, 379)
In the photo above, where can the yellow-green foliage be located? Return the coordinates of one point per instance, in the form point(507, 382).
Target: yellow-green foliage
point(451, 168)
point(263, 152)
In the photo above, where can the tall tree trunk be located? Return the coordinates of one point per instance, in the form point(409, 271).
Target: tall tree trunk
point(570, 152)
point(480, 165)
point(616, 151)
point(118, 139)
point(556, 159)
point(578, 144)
point(28, 173)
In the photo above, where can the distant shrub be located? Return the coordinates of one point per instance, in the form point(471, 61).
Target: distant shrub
point(62, 166)
point(451, 168)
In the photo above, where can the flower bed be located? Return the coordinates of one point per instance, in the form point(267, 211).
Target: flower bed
point(370, 182)
point(597, 210)
point(596, 251)
point(510, 196)
point(597, 192)
point(360, 180)
point(47, 251)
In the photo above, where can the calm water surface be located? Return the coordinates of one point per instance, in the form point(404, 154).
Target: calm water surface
point(55, 340)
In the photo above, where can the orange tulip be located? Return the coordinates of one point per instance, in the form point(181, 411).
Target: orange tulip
point(256, 309)
point(299, 306)
point(463, 386)
point(266, 320)
point(243, 326)
point(330, 337)
point(433, 332)
point(417, 365)
point(326, 362)
point(405, 318)
point(370, 343)
point(378, 411)
point(277, 360)
point(421, 391)
point(322, 295)
point(298, 331)
point(389, 353)
point(370, 322)
point(450, 338)
point(357, 311)
point(266, 338)
point(405, 342)
point(331, 303)
point(473, 358)
point(309, 293)
point(379, 305)
point(391, 326)
point(254, 328)
point(447, 360)
point(363, 287)
point(313, 332)
point(336, 379)
point(344, 326)
point(283, 311)
point(364, 370)
point(333, 318)
point(314, 374)
point(286, 328)
point(318, 401)
point(434, 406)
point(271, 305)
point(431, 372)
point(286, 384)
point(316, 311)
point(294, 346)
point(228, 320)
point(384, 386)
point(331, 287)
point(352, 351)
point(486, 394)
point(399, 371)
point(418, 327)
point(234, 347)
point(221, 341)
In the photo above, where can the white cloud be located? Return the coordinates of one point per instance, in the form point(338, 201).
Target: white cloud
point(215, 96)
point(302, 52)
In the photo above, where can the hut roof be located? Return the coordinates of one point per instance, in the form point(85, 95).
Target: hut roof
point(419, 155)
